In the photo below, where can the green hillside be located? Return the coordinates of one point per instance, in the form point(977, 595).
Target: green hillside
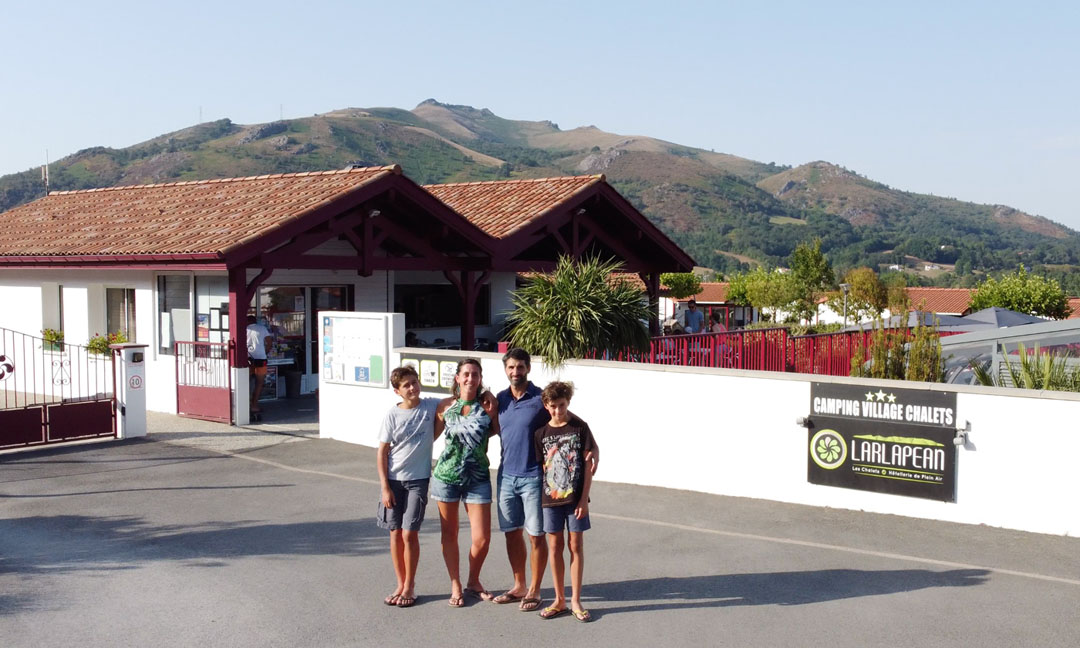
point(718, 206)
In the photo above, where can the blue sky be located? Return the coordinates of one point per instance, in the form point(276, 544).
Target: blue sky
point(974, 100)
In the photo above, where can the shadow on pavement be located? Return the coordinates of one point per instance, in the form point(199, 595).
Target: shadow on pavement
point(125, 542)
point(772, 588)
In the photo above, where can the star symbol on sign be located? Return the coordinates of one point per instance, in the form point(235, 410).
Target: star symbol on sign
point(869, 396)
point(880, 395)
point(892, 398)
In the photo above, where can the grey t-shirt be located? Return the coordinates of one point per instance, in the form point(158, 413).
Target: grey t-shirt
point(410, 433)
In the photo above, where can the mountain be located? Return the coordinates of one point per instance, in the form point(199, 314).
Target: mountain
point(720, 207)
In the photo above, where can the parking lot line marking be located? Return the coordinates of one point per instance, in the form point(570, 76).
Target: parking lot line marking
point(821, 545)
point(299, 470)
point(717, 532)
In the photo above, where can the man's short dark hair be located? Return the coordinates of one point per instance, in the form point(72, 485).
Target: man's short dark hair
point(519, 354)
point(691, 303)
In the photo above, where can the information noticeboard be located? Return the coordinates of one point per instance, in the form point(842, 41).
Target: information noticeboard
point(354, 348)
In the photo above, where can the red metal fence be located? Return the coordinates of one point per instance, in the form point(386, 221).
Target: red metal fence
point(774, 349)
point(53, 391)
point(827, 354)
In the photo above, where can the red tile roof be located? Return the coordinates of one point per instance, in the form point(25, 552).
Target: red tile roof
point(944, 301)
point(501, 207)
point(1074, 308)
point(711, 293)
point(202, 217)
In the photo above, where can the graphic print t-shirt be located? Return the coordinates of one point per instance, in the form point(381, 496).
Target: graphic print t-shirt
point(561, 451)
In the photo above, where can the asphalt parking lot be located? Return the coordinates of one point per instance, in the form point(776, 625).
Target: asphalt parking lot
point(209, 535)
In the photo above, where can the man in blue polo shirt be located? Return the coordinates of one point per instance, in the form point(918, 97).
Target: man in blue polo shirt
point(521, 413)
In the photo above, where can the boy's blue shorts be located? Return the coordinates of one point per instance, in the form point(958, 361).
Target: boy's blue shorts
point(560, 518)
point(410, 502)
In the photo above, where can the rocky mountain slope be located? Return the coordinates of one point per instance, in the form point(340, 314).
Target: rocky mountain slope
point(718, 206)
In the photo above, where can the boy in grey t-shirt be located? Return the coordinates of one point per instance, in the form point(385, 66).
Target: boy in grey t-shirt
point(404, 464)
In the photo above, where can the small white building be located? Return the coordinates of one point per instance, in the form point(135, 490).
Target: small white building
point(180, 266)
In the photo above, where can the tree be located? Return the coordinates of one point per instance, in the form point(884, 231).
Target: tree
point(810, 266)
point(1023, 293)
point(577, 310)
point(681, 284)
point(897, 297)
point(813, 275)
point(867, 295)
point(736, 290)
point(772, 290)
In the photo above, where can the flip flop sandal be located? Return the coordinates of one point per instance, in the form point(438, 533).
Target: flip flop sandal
point(553, 612)
point(456, 601)
point(483, 595)
point(391, 600)
point(507, 597)
point(406, 601)
point(582, 615)
point(530, 604)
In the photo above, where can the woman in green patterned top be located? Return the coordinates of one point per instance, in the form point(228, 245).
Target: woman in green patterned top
point(461, 474)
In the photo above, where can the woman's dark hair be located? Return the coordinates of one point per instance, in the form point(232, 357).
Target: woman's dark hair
point(716, 316)
point(461, 363)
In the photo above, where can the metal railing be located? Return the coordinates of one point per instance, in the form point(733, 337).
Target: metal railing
point(203, 364)
point(772, 349)
point(36, 372)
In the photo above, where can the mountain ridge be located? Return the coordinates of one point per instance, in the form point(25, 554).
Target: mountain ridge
point(715, 205)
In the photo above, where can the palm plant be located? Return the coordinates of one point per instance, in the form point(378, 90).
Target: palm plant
point(1036, 370)
point(578, 310)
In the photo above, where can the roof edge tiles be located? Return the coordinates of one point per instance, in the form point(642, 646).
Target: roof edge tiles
point(599, 177)
point(392, 168)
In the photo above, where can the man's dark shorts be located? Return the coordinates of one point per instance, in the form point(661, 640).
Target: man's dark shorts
point(256, 363)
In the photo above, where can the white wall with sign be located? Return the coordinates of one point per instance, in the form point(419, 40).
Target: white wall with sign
point(735, 433)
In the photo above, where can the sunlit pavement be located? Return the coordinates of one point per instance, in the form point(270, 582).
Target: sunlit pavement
point(204, 534)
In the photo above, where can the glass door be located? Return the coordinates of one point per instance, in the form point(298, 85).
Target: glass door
point(323, 299)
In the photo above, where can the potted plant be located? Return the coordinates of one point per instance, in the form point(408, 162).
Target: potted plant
point(99, 345)
point(52, 340)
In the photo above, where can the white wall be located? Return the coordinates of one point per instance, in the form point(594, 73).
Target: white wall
point(734, 433)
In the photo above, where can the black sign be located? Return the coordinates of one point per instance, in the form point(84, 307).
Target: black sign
point(897, 441)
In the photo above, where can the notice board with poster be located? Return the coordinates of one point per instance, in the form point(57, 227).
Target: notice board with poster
point(436, 372)
point(354, 348)
point(896, 441)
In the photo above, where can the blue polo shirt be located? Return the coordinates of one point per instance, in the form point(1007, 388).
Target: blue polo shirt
point(518, 420)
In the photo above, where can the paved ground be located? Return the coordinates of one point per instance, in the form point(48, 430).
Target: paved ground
point(209, 535)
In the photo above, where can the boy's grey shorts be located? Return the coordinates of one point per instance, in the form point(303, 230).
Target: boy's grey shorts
point(410, 501)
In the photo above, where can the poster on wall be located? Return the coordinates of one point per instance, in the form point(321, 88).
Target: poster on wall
point(354, 349)
point(436, 372)
point(896, 441)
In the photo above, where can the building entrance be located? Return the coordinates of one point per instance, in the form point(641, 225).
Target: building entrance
point(288, 312)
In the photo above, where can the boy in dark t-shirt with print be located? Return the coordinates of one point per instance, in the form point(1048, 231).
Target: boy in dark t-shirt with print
point(560, 447)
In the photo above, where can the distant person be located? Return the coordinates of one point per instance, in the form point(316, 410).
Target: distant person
point(561, 446)
point(258, 344)
point(715, 326)
point(404, 465)
point(462, 474)
point(695, 319)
